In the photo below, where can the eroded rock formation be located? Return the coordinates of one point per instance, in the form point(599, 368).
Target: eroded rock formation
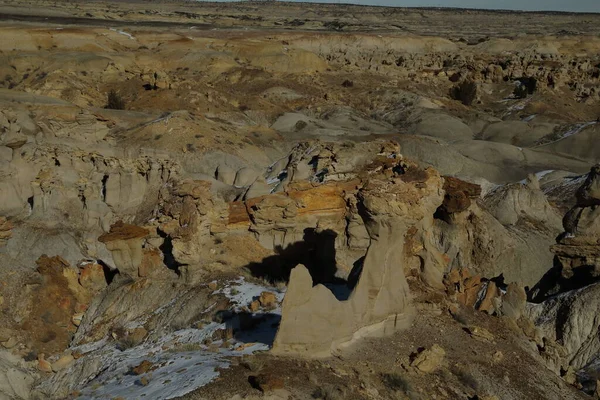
point(314, 321)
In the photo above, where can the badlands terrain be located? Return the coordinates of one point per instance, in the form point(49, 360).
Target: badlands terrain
point(298, 201)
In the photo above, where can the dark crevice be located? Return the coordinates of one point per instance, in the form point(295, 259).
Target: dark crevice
point(167, 250)
point(355, 273)
point(103, 190)
point(83, 199)
point(30, 202)
point(109, 273)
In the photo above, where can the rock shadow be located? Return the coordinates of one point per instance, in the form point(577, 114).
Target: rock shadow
point(253, 328)
point(316, 251)
point(556, 281)
point(167, 249)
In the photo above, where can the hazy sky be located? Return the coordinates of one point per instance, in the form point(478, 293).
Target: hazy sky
point(529, 5)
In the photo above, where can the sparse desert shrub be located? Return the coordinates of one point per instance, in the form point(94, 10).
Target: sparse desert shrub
point(466, 92)
point(190, 147)
point(460, 317)
point(334, 25)
point(125, 343)
point(329, 392)
point(396, 382)
point(300, 125)
point(466, 378)
point(253, 363)
point(115, 101)
point(295, 22)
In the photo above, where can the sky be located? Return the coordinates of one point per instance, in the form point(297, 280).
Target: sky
point(527, 5)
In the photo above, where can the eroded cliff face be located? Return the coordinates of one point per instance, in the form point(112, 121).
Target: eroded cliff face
point(73, 190)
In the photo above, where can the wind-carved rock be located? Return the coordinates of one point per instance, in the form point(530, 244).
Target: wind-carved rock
point(314, 322)
point(507, 232)
point(569, 294)
point(577, 251)
point(125, 242)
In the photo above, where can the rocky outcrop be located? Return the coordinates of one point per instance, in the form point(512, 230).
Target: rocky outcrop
point(15, 127)
point(571, 319)
point(125, 243)
point(507, 232)
point(191, 213)
point(577, 251)
point(523, 203)
point(580, 246)
point(568, 296)
point(41, 314)
point(314, 322)
point(458, 195)
point(489, 295)
point(16, 381)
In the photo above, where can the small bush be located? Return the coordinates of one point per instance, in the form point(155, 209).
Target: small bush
point(115, 101)
point(190, 147)
point(329, 392)
point(125, 343)
point(300, 125)
point(466, 378)
point(396, 383)
point(252, 363)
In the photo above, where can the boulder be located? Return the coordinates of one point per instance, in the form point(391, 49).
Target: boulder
point(458, 195)
point(513, 301)
point(429, 360)
point(91, 276)
point(62, 363)
point(225, 174)
point(268, 300)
